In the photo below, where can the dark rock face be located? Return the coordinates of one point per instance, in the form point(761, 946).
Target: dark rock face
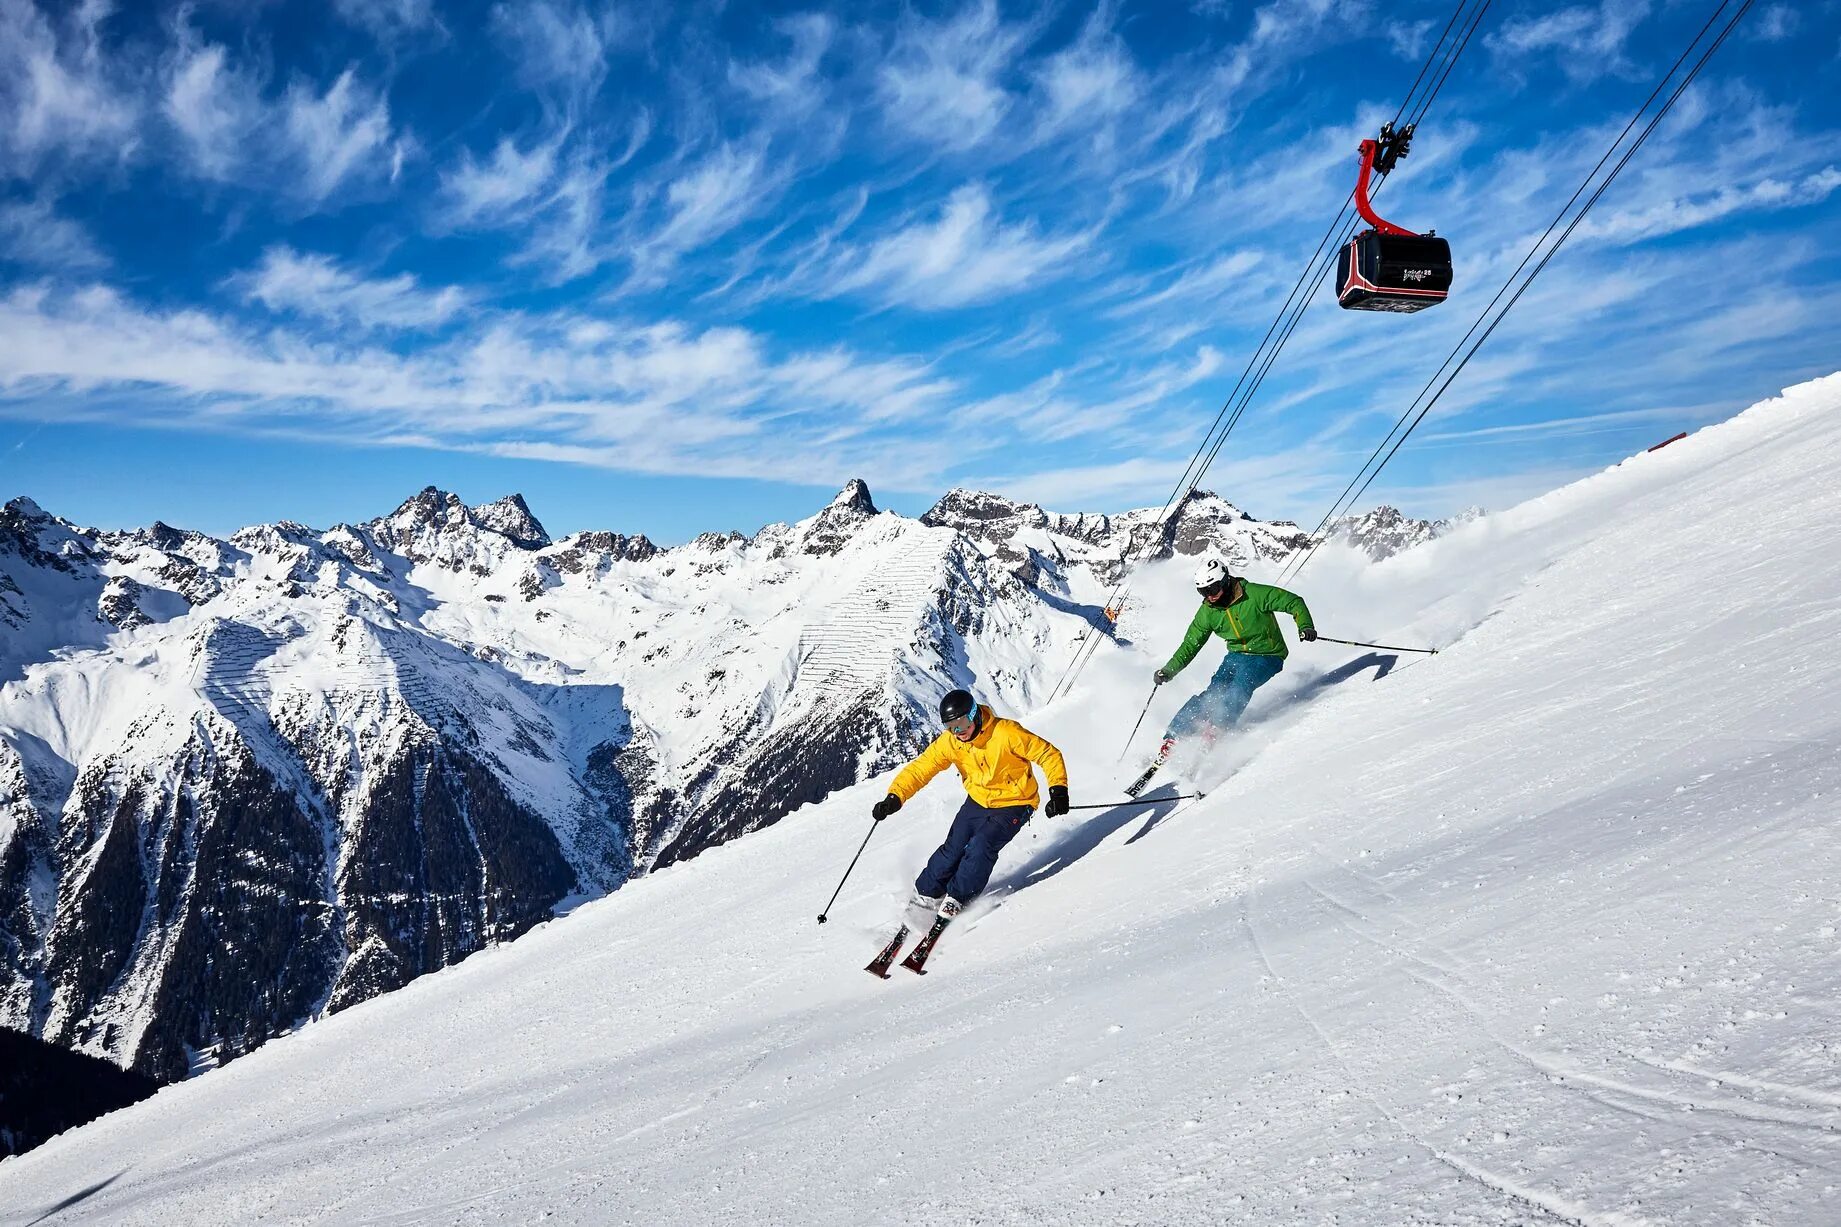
point(189, 580)
point(435, 527)
point(207, 895)
point(23, 529)
point(120, 604)
point(511, 518)
point(197, 913)
point(26, 871)
point(855, 497)
point(832, 529)
point(163, 536)
point(782, 771)
point(1201, 522)
point(45, 1090)
point(587, 553)
point(1386, 531)
point(445, 865)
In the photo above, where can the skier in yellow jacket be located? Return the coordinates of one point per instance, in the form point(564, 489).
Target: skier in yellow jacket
point(993, 757)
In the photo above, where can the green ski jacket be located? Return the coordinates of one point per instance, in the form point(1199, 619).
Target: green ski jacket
point(1246, 623)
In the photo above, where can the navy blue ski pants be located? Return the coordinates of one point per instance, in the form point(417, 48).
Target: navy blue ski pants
point(962, 865)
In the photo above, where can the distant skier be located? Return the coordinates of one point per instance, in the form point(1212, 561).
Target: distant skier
point(1241, 612)
point(993, 757)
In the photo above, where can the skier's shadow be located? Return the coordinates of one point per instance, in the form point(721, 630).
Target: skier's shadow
point(1157, 815)
point(1382, 664)
point(1059, 853)
point(79, 1197)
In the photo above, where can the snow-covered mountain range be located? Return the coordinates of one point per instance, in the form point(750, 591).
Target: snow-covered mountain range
point(244, 782)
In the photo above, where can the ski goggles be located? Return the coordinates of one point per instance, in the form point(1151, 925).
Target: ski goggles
point(1213, 590)
point(964, 725)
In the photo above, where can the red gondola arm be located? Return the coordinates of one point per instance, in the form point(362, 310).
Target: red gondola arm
point(1362, 206)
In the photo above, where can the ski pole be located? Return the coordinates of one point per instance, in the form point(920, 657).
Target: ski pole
point(1385, 647)
point(1134, 728)
point(1181, 796)
point(825, 915)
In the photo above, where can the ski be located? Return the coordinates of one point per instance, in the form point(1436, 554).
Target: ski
point(1163, 756)
point(1137, 786)
point(879, 966)
point(916, 961)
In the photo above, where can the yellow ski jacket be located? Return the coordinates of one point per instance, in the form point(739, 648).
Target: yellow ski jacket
point(994, 765)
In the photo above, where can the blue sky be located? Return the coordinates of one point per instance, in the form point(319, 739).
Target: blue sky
point(671, 267)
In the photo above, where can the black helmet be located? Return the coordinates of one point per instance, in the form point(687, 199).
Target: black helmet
point(957, 705)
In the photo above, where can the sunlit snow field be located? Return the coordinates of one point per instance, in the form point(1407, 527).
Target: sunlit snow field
point(1541, 929)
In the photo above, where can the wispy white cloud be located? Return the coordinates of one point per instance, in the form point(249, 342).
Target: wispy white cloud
point(1037, 335)
point(1589, 40)
point(1576, 423)
point(661, 397)
point(317, 286)
point(1688, 212)
point(942, 83)
point(791, 87)
point(566, 238)
point(311, 145)
point(1775, 23)
point(215, 107)
point(1055, 409)
point(561, 46)
point(702, 202)
point(58, 93)
point(505, 186)
point(1201, 282)
point(388, 19)
point(1409, 39)
point(32, 233)
point(966, 255)
point(1089, 82)
point(553, 192)
point(341, 135)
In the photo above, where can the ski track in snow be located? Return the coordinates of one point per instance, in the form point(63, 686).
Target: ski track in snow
point(1542, 930)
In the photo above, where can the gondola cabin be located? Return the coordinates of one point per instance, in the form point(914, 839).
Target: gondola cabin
point(1393, 272)
point(1389, 268)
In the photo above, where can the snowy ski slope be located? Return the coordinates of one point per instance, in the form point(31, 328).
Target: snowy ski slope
point(1540, 930)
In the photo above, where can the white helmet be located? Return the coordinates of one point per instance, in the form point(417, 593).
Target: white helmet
point(1212, 571)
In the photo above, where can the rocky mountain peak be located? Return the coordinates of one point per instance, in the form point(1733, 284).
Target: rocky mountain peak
point(35, 534)
point(832, 528)
point(855, 497)
point(1207, 502)
point(1385, 530)
point(435, 526)
point(23, 508)
point(967, 510)
point(163, 536)
point(430, 506)
point(511, 518)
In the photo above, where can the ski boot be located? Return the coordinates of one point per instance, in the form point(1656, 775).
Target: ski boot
point(916, 961)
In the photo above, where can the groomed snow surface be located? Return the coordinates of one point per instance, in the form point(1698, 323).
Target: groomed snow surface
point(1540, 930)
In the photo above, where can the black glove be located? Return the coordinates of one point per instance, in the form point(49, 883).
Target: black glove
point(1057, 801)
point(1159, 678)
point(885, 807)
point(1308, 634)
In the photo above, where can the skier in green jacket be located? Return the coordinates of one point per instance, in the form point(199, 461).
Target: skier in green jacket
point(1242, 613)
